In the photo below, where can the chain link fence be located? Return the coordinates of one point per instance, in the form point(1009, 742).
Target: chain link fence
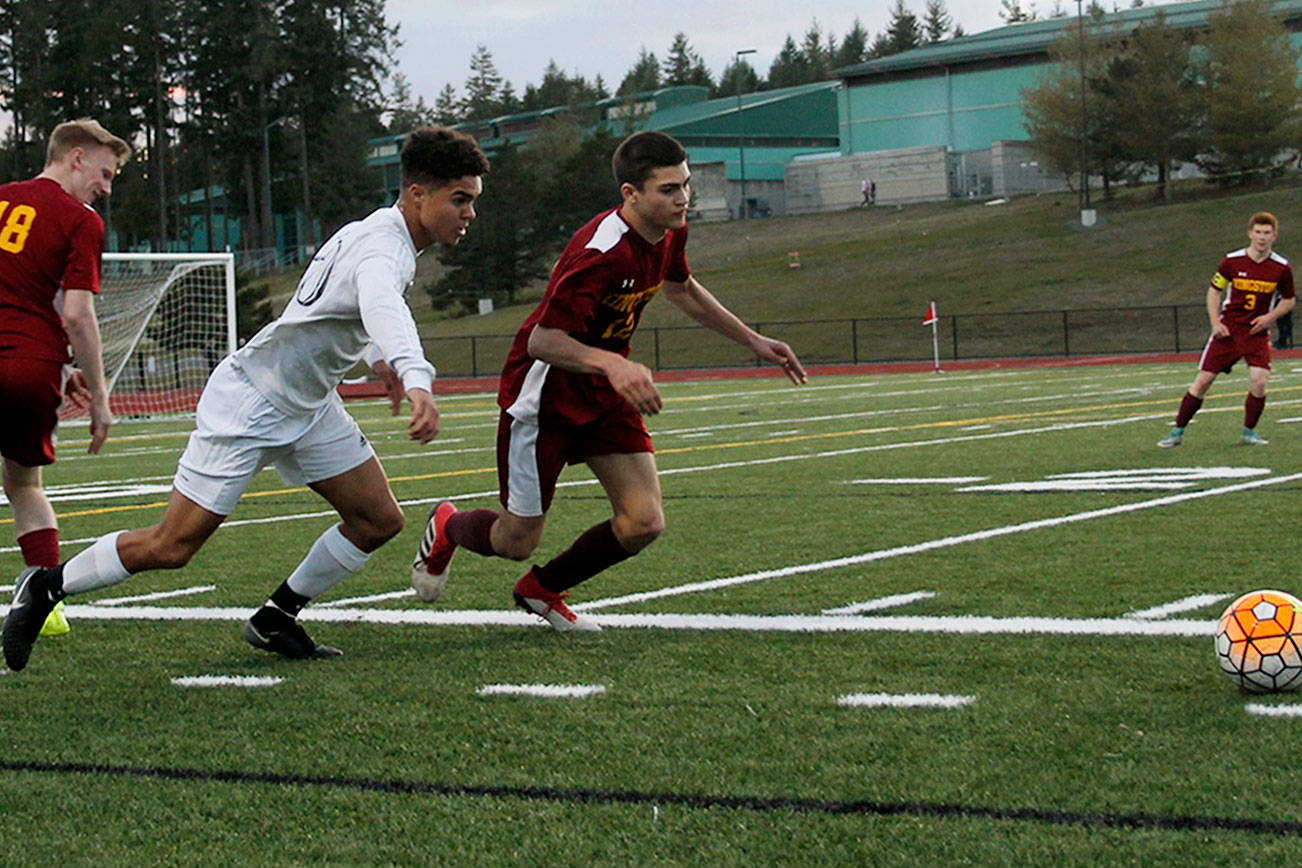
point(1047, 333)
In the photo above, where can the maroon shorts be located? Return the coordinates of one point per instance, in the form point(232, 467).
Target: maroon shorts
point(1220, 354)
point(531, 456)
point(30, 395)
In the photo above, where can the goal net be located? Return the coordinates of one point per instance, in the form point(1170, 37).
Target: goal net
point(166, 320)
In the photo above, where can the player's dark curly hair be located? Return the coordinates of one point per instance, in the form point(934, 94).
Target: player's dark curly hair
point(433, 156)
point(642, 153)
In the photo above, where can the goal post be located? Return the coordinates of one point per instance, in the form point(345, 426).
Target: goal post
point(166, 320)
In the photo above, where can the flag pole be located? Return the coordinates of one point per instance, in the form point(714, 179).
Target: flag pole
point(935, 344)
point(932, 319)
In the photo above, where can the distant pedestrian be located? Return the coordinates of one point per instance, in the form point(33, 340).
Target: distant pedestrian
point(872, 192)
point(866, 186)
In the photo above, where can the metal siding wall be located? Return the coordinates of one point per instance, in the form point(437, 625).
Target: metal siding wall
point(916, 112)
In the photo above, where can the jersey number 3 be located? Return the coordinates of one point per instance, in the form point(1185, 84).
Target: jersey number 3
point(17, 225)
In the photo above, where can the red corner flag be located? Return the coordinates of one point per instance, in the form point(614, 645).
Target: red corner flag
point(931, 314)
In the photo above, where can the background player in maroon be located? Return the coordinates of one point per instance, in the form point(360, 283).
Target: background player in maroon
point(569, 393)
point(1251, 289)
point(50, 245)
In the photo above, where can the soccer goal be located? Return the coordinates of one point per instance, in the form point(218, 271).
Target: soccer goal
point(166, 320)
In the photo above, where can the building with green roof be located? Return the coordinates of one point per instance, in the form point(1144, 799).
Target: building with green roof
point(964, 96)
point(730, 141)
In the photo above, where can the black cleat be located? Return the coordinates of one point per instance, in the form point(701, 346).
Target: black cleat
point(288, 640)
point(34, 599)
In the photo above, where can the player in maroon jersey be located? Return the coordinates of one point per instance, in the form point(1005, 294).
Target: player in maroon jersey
point(1251, 289)
point(50, 246)
point(569, 393)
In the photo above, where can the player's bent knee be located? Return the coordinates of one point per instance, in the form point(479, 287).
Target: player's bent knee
point(376, 530)
point(516, 548)
point(636, 534)
point(169, 555)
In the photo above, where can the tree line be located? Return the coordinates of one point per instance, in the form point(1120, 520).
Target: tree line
point(204, 90)
point(815, 57)
point(1122, 106)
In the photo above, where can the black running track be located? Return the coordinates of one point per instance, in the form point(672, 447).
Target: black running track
point(756, 804)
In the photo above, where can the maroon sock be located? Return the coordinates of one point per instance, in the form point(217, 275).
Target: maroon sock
point(473, 530)
point(40, 547)
point(1188, 406)
point(1252, 408)
point(596, 549)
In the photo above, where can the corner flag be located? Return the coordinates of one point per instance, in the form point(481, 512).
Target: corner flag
point(932, 319)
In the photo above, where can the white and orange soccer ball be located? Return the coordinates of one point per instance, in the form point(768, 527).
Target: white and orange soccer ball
point(1259, 642)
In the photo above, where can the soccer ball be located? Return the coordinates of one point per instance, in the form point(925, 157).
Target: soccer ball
point(1259, 642)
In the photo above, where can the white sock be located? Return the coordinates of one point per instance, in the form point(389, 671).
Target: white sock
point(331, 559)
point(96, 566)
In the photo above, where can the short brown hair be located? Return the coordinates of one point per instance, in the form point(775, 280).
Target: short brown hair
point(1264, 218)
point(84, 133)
point(638, 156)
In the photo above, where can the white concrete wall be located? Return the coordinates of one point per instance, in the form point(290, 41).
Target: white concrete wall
point(902, 176)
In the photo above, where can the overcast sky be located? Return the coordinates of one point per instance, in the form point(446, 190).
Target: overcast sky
point(603, 37)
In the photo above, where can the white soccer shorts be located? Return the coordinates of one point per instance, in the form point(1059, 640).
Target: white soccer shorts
point(238, 433)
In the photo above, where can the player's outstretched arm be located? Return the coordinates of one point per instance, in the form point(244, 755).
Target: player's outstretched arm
point(424, 424)
point(701, 305)
point(83, 333)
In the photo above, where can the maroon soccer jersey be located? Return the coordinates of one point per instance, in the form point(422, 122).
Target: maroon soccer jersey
point(597, 291)
point(49, 240)
point(1252, 286)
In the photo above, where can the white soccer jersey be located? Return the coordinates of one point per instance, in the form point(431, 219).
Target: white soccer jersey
point(350, 295)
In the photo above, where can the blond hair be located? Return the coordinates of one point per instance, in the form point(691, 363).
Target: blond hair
point(84, 133)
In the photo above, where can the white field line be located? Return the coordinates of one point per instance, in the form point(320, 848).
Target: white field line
point(920, 480)
point(950, 624)
point(547, 691)
point(880, 603)
point(1185, 604)
point(903, 700)
point(1273, 710)
point(227, 681)
point(724, 465)
point(931, 545)
point(160, 595)
point(370, 598)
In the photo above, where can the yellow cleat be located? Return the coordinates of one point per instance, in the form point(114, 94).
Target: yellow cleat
point(56, 624)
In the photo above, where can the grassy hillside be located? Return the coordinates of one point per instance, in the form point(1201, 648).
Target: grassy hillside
point(1027, 254)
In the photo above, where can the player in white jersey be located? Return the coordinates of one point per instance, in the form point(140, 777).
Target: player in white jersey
point(274, 401)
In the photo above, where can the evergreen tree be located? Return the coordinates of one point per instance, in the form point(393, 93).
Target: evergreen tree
point(790, 67)
point(483, 88)
point(936, 22)
point(644, 76)
point(739, 72)
point(1250, 91)
point(817, 55)
point(1011, 12)
point(854, 47)
point(903, 32)
point(447, 106)
point(680, 64)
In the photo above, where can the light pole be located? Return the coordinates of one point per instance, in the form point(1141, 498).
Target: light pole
point(741, 129)
point(1086, 212)
point(269, 233)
